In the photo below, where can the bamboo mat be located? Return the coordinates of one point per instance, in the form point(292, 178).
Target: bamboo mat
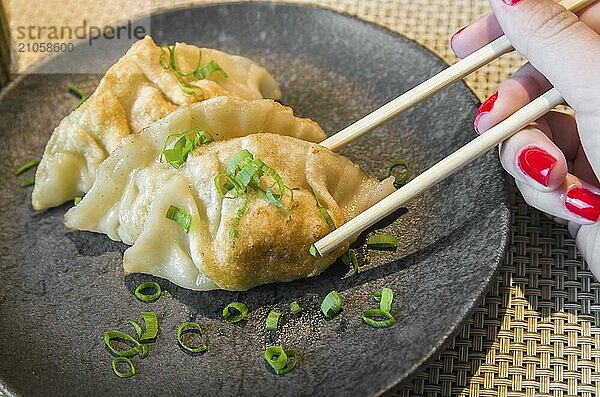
point(536, 332)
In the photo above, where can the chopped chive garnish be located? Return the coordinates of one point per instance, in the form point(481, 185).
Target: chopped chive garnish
point(136, 348)
point(191, 89)
point(332, 304)
point(233, 231)
point(178, 154)
point(77, 200)
point(208, 69)
point(28, 182)
point(180, 217)
point(243, 179)
point(378, 318)
point(325, 214)
point(272, 321)
point(26, 166)
point(282, 361)
point(190, 327)
point(384, 242)
point(136, 327)
point(123, 360)
point(150, 297)
point(349, 258)
point(295, 308)
point(77, 93)
point(150, 326)
point(387, 296)
point(314, 252)
point(235, 312)
point(377, 296)
point(405, 176)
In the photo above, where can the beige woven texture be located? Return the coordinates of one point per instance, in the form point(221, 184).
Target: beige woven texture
point(536, 332)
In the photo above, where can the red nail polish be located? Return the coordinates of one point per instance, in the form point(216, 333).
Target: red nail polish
point(583, 202)
point(485, 107)
point(511, 2)
point(536, 163)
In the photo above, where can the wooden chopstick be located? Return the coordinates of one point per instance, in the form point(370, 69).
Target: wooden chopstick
point(453, 73)
point(448, 166)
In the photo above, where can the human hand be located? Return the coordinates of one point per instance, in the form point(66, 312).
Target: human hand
point(555, 161)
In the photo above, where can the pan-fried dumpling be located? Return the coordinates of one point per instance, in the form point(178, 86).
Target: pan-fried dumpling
point(146, 84)
point(232, 243)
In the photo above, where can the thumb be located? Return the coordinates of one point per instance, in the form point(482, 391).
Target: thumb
point(565, 51)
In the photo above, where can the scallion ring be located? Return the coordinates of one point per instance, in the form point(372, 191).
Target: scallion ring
point(272, 321)
point(150, 285)
point(28, 182)
point(387, 296)
point(405, 176)
point(136, 327)
point(189, 327)
point(180, 217)
point(235, 312)
point(332, 304)
point(295, 307)
point(123, 360)
point(384, 242)
point(136, 349)
point(349, 258)
point(26, 166)
point(77, 93)
point(282, 361)
point(377, 296)
point(150, 326)
point(378, 318)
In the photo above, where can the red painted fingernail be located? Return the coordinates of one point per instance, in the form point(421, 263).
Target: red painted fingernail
point(536, 163)
point(511, 2)
point(485, 107)
point(583, 202)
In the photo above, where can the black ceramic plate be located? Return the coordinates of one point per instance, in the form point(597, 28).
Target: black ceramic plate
point(61, 289)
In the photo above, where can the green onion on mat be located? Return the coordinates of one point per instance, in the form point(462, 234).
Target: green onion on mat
point(235, 312)
point(187, 328)
point(151, 297)
point(332, 304)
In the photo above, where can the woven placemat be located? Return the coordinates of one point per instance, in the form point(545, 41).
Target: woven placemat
point(536, 332)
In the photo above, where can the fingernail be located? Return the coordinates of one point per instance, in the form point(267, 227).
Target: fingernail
point(583, 202)
point(536, 163)
point(511, 2)
point(485, 108)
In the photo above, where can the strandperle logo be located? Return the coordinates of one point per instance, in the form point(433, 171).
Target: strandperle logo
point(85, 30)
point(72, 36)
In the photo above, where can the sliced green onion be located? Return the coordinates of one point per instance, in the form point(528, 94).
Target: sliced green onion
point(233, 231)
point(282, 361)
point(235, 312)
point(377, 296)
point(240, 157)
point(136, 327)
point(332, 304)
point(208, 69)
point(314, 252)
point(387, 296)
point(178, 154)
point(26, 166)
point(77, 93)
point(150, 285)
point(28, 182)
point(405, 175)
point(123, 360)
point(325, 214)
point(136, 349)
point(384, 242)
point(191, 89)
point(187, 328)
point(349, 258)
point(295, 308)
point(150, 326)
point(77, 200)
point(180, 217)
point(378, 318)
point(272, 321)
